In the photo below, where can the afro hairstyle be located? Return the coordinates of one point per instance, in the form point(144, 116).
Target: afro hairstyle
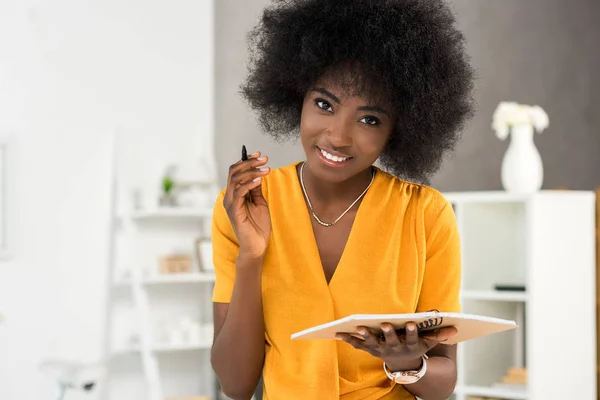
point(406, 51)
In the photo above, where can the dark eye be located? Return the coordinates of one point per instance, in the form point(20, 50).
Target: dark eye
point(324, 105)
point(370, 120)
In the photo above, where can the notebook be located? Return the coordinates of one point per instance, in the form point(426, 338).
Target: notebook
point(469, 326)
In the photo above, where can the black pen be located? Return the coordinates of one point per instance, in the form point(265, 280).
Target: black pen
point(245, 158)
point(244, 153)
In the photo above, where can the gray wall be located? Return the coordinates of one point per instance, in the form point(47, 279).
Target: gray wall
point(235, 124)
point(542, 52)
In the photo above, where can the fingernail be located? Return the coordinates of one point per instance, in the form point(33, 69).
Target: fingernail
point(263, 169)
point(387, 329)
point(362, 332)
point(254, 154)
point(258, 178)
point(339, 337)
point(261, 158)
point(410, 327)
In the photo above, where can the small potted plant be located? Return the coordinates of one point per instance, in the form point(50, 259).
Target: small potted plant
point(168, 198)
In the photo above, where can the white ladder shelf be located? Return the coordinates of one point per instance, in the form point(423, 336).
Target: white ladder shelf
point(140, 286)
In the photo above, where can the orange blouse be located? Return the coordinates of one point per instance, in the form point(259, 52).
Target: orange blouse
point(402, 256)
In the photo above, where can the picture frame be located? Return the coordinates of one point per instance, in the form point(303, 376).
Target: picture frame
point(6, 197)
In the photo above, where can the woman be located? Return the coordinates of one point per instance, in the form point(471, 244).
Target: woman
point(317, 240)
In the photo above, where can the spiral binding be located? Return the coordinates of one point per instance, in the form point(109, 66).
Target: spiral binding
point(421, 326)
point(430, 323)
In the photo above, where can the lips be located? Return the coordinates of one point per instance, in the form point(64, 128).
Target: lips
point(332, 158)
point(333, 155)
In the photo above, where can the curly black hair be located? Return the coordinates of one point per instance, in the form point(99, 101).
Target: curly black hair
point(406, 50)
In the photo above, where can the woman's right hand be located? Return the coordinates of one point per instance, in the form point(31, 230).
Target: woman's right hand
point(250, 219)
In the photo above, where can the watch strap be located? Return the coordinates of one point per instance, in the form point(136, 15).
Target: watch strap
point(407, 377)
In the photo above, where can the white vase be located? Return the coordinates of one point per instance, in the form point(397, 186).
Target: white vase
point(522, 169)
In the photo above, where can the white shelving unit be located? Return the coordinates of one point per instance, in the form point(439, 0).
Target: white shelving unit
point(144, 362)
point(544, 242)
point(195, 277)
point(194, 214)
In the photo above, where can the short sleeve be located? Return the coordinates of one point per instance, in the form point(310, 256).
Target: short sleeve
point(442, 277)
point(225, 250)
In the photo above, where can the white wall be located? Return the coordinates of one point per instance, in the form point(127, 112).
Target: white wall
point(71, 73)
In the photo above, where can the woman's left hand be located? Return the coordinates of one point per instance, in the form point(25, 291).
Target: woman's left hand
point(399, 352)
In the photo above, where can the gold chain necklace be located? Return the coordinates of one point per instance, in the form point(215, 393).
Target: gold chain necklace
point(310, 205)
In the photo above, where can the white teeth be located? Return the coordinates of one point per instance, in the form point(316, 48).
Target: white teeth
point(332, 157)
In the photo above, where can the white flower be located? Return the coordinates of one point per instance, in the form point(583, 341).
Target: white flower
point(509, 114)
point(539, 118)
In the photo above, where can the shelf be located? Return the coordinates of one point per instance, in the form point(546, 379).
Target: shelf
point(499, 196)
point(125, 351)
point(494, 295)
point(494, 392)
point(198, 277)
point(170, 213)
point(526, 240)
point(485, 197)
point(165, 348)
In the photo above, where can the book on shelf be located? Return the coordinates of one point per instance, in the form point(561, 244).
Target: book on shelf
point(469, 326)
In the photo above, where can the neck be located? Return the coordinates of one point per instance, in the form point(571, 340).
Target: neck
point(344, 192)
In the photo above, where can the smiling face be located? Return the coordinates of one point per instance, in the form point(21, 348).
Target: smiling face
point(342, 134)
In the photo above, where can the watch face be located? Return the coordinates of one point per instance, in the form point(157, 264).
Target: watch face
point(406, 377)
point(405, 380)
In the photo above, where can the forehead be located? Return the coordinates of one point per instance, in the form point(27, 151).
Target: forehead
point(347, 83)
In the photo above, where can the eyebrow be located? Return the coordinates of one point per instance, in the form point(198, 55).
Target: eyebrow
point(328, 94)
point(332, 96)
point(374, 109)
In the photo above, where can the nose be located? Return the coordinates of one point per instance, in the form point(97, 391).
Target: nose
point(339, 134)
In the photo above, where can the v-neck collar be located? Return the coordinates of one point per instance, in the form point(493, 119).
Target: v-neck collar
point(314, 259)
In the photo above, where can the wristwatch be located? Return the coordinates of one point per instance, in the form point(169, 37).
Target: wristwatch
point(407, 377)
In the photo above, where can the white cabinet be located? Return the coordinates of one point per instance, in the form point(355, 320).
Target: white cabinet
point(544, 243)
point(159, 330)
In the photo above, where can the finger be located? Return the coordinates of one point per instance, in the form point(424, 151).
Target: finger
point(355, 342)
point(257, 195)
point(245, 176)
point(412, 336)
point(391, 338)
point(253, 155)
point(254, 160)
point(241, 173)
point(441, 335)
point(240, 192)
point(370, 339)
point(250, 163)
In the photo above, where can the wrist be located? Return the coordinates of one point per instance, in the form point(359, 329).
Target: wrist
point(404, 365)
point(248, 267)
point(406, 376)
point(249, 258)
point(251, 255)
